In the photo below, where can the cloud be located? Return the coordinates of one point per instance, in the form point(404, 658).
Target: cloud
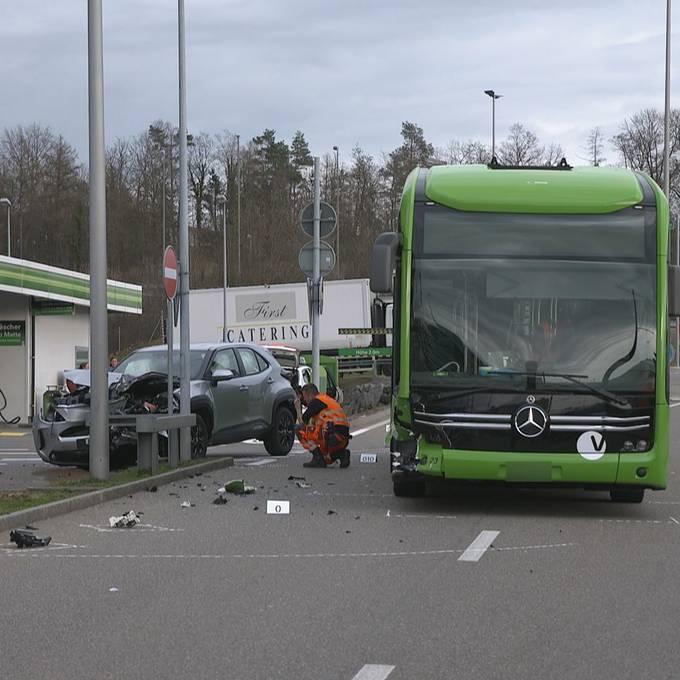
point(343, 71)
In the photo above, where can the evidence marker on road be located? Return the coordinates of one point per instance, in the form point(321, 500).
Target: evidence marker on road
point(368, 457)
point(278, 507)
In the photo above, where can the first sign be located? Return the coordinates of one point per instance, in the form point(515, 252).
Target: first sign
point(170, 272)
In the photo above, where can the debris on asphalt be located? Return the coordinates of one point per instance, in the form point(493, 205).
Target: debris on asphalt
point(187, 504)
point(358, 517)
point(257, 507)
point(302, 485)
point(30, 528)
point(172, 493)
point(220, 500)
point(238, 486)
point(331, 512)
point(347, 531)
point(25, 538)
point(152, 489)
point(293, 478)
point(125, 521)
point(114, 590)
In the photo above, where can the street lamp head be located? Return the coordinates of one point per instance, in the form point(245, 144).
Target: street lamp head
point(335, 148)
point(492, 94)
point(6, 201)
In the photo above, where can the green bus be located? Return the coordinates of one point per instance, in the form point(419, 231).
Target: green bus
point(530, 313)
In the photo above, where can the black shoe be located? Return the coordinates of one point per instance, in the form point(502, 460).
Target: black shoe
point(317, 460)
point(344, 458)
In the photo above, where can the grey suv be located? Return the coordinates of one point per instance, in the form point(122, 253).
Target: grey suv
point(237, 393)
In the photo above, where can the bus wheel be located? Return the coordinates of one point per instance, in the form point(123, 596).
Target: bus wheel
point(409, 489)
point(627, 495)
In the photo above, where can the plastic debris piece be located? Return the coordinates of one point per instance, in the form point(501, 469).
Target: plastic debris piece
point(187, 504)
point(331, 512)
point(257, 507)
point(152, 489)
point(302, 485)
point(293, 478)
point(238, 486)
point(358, 517)
point(30, 528)
point(27, 539)
point(221, 490)
point(220, 500)
point(114, 590)
point(125, 521)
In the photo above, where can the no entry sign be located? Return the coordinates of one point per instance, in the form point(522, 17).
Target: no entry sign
point(170, 272)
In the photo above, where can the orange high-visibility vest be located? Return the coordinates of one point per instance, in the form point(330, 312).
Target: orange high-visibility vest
point(333, 413)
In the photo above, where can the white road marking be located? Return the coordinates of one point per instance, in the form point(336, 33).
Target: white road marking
point(674, 404)
point(373, 672)
point(363, 430)
point(479, 546)
point(405, 553)
point(674, 520)
point(137, 528)
point(424, 516)
point(264, 461)
point(25, 459)
point(639, 521)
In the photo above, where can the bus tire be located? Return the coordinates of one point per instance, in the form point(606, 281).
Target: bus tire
point(627, 495)
point(409, 488)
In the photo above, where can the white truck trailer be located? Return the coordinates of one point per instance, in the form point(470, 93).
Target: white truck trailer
point(280, 314)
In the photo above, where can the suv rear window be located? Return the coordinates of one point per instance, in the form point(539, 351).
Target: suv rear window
point(249, 361)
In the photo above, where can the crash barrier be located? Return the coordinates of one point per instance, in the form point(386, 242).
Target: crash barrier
point(148, 427)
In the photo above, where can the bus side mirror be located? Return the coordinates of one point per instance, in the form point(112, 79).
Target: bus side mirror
point(673, 290)
point(384, 261)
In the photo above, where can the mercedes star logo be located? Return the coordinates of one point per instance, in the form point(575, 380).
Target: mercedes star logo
point(531, 421)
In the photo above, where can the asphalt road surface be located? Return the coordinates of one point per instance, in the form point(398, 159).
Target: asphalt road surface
point(352, 584)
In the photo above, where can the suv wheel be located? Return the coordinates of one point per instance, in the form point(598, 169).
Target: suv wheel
point(199, 438)
point(279, 440)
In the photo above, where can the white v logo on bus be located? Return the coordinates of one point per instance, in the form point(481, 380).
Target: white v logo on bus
point(591, 445)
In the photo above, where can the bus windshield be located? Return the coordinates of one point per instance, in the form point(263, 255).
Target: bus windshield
point(499, 297)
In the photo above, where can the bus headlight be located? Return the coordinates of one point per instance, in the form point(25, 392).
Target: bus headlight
point(642, 445)
point(628, 446)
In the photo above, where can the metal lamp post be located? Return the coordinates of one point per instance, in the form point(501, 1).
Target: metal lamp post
point(493, 96)
point(337, 207)
point(8, 203)
point(222, 200)
point(667, 108)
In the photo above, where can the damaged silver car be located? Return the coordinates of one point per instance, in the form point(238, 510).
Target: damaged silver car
point(237, 392)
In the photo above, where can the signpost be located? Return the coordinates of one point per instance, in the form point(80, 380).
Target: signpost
point(327, 219)
point(170, 276)
point(316, 259)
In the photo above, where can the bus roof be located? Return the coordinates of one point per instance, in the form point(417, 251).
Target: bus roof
point(577, 190)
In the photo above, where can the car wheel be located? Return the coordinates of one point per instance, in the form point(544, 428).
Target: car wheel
point(279, 440)
point(199, 438)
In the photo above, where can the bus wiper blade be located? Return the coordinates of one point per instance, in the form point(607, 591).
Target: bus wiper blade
point(573, 378)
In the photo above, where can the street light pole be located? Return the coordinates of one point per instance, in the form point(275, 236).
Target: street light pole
point(337, 206)
point(99, 391)
point(184, 332)
point(238, 204)
point(667, 108)
point(8, 203)
point(223, 200)
point(494, 96)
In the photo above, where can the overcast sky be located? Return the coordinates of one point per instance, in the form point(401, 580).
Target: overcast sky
point(344, 72)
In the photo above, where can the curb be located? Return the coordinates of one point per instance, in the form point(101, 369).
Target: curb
point(87, 500)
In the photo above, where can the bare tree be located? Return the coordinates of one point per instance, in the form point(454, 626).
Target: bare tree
point(201, 160)
point(521, 147)
point(595, 147)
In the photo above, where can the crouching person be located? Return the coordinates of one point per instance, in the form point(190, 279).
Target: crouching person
point(323, 429)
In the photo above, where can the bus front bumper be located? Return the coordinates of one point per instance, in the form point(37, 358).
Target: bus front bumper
point(646, 469)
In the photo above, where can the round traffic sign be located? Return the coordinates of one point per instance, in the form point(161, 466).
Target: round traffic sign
point(170, 272)
point(326, 259)
point(327, 219)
